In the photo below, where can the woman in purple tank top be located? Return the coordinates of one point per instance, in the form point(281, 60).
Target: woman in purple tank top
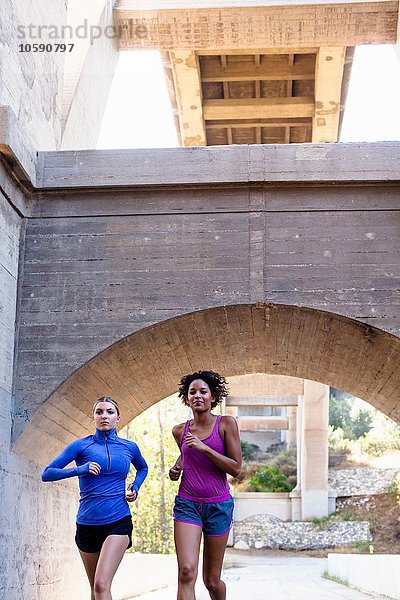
point(210, 449)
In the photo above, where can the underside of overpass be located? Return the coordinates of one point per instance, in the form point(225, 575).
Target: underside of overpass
point(253, 72)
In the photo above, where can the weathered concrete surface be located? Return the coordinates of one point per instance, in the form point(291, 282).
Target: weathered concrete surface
point(57, 93)
point(16, 148)
point(210, 25)
point(35, 520)
point(31, 83)
point(377, 574)
point(104, 264)
point(142, 573)
point(313, 451)
point(351, 162)
point(274, 578)
point(89, 74)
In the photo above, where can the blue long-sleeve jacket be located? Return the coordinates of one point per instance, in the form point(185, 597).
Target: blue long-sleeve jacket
point(102, 497)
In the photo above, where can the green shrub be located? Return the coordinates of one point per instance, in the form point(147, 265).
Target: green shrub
point(376, 442)
point(337, 440)
point(286, 461)
point(269, 479)
point(393, 489)
point(248, 450)
point(342, 415)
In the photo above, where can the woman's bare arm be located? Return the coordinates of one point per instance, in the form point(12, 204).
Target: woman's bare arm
point(176, 470)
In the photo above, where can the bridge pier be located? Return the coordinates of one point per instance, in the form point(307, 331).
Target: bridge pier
point(314, 451)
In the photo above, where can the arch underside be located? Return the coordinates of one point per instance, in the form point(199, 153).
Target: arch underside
point(146, 366)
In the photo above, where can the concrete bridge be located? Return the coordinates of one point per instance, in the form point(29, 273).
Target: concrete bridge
point(122, 270)
point(139, 266)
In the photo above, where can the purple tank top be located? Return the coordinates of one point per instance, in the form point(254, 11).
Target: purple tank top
point(202, 480)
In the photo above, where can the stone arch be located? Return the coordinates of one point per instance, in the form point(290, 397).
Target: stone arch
point(145, 367)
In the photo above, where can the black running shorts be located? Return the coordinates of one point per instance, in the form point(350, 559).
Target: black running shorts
point(90, 538)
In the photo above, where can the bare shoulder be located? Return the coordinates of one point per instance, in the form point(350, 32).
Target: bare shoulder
point(177, 431)
point(229, 423)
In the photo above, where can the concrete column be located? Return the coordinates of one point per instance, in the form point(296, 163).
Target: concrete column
point(291, 437)
point(314, 451)
point(295, 494)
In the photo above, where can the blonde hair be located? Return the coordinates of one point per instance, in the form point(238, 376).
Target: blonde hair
point(106, 399)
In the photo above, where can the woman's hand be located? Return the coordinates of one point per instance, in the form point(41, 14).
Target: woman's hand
point(130, 494)
point(194, 442)
point(175, 472)
point(94, 468)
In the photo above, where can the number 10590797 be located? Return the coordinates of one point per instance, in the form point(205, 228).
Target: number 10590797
point(45, 47)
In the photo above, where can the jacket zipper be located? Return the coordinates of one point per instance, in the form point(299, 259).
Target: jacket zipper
point(108, 453)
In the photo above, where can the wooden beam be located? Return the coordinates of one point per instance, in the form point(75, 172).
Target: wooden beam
point(262, 401)
point(247, 51)
point(328, 87)
point(273, 68)
point(256, 25)
point(258, 108)
point(262, 423)
point(289, 84)
point(250, 124)
point(186, 73)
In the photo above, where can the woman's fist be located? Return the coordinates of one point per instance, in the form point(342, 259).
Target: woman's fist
point(175, 472)
point(94, 468)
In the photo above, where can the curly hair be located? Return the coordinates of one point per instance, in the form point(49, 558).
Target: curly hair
point(216, 382)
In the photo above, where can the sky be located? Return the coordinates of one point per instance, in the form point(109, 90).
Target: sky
point(138, 112)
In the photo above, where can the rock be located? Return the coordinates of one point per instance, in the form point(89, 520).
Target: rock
point(241, 545)
point(264, 531)
point(360, 482)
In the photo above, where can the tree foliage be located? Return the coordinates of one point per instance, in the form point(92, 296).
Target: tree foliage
point(343, 415)
point(269, 479)
point(152, 511)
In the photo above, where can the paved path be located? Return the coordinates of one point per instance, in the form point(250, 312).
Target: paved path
point(250, 577)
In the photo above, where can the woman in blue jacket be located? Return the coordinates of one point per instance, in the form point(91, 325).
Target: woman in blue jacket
point(104, 522)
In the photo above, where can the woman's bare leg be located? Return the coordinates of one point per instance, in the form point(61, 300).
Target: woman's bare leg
point(90, 560)
point(110, 557)
point(213, 556)
point(187, 543)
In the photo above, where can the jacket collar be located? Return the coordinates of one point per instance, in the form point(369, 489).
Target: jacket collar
point(102, 436)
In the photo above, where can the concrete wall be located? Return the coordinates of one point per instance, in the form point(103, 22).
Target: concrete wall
point(375, 574)
point(58, 97)
point(31, 83)
point(37, 520)
point(102, 265)
point(262, 439)
point(142, 573)
point(276, 504)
